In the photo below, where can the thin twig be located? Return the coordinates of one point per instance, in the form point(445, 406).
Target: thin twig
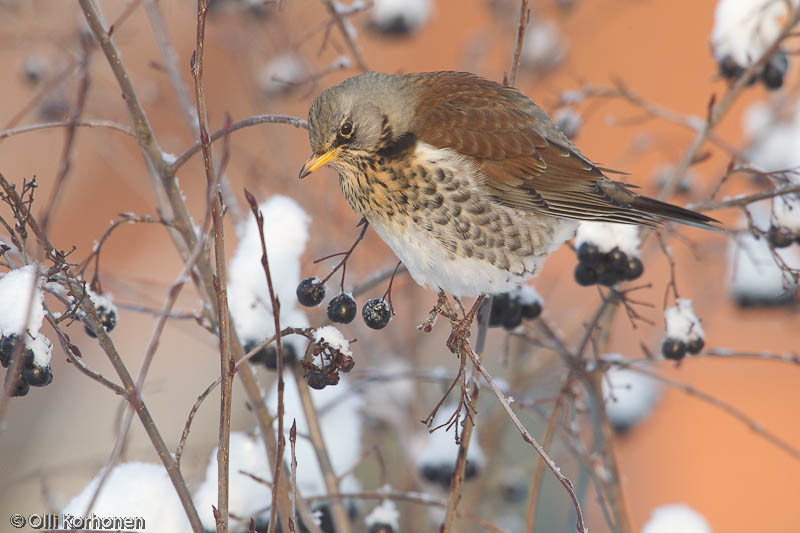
point(753, 425)
point(457, 481)
point(276, 312)
point(345, 30)
point(526, 436)
point(239, 124)
point(131, 393)
point(227, 361)
point(743, 200)
point(341, 523)
point(524, 18)
point(80, 123)
point(536, 480)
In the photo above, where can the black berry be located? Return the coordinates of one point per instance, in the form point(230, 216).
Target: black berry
point(606, 275)
point(633, 268)
point(37, 376)
point(617, 260)
point(673, 349)
point(584, 275)
point(342, 309)
point(439, 474)
point(512, 317)
point(311, 292)
point(774, 70)
point(108, 318)
point(695, 345)
point(729, 68)
point(7, 349)
point(499, 304)
point(471, 470)
point(532, 310)
point(21, 388)
point(376, 313)
point(380, 527)
point(589, 254)
point(316, 379)
point(779, 237)
point(268, 355)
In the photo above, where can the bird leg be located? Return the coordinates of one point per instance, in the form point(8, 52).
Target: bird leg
point(460, 332)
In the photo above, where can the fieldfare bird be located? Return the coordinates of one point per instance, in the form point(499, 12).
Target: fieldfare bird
point(469, 182)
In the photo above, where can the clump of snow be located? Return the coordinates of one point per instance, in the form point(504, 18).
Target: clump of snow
point(399, 16)
point(527, 295)
point(16, 287)
point(568, 121)
point(774, 136)
point(755, 276)
point(102, 301)
point(775, 148)
point(676, 518)
point(281, 73)
point(385, 514)
point(607, 236)
point(543, 48)
point(629, 396)
point(339, 409)
point(286, 235)
point(744, 29)
point(682, 323)
point(786, 213)
point(134, 490)
point(246, 495)
point(332, 337)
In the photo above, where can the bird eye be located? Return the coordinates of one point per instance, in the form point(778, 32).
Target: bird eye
point(346, 129)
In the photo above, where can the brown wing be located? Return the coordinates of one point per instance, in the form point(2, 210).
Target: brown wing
point(527, 163)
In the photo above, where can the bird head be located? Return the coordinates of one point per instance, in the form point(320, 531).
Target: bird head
point(355, 119)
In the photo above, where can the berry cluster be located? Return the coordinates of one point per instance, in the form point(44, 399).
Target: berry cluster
point(343, 308)
point(684, 332)
point(607, 254)
point(442, 473)
point(32, 375)
point(771, 75)
point(268, 355)
point(331, 355)
point(510, 308)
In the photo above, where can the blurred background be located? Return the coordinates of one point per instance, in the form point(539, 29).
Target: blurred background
point(275, 58)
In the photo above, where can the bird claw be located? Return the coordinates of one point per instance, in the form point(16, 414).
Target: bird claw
point(461, 329)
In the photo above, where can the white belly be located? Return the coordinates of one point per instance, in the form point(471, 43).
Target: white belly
point(432, 266)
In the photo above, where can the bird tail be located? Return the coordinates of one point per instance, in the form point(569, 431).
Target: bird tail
point(663, 210)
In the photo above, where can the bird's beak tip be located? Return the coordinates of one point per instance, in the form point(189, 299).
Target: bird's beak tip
point(314, 162)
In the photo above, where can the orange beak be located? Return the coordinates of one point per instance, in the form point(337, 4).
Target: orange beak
point(314, 162)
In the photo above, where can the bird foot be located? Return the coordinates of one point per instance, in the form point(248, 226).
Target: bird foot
point(461, 328)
